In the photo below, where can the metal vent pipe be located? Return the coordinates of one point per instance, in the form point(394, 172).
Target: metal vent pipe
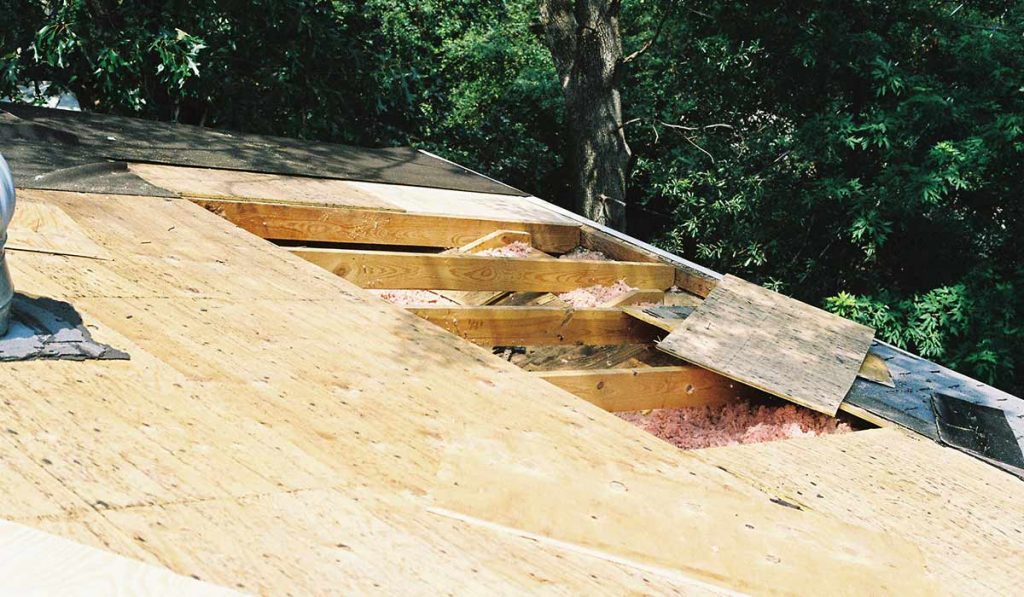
point(6, 213)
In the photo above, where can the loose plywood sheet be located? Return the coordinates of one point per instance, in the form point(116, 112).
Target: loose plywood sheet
point(774, 343)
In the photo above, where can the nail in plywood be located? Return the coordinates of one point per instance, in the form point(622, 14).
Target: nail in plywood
point(619, 390)
point(773, 343)
point(43, 228)
point(426, 271)
point(378, 227)
point(538, 326)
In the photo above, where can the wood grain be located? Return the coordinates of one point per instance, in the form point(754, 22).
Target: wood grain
point(426, 271)
point(639, 295)
point(209, 183)
point(774, 343)
point(618, 390)
point(375, 227)
point(278, 430)
point(44, 228)
point(538, 326)
point(965, 517)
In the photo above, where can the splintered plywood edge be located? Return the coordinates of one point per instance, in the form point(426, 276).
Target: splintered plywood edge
point(773, 343)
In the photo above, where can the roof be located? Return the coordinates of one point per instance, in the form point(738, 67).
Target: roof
point(281, 429)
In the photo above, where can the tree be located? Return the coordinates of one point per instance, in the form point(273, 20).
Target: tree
point(586, 45)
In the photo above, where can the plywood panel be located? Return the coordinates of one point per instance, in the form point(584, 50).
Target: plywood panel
point(773, 343)
point(45, 228)
point(453, 271)
point(966, 518)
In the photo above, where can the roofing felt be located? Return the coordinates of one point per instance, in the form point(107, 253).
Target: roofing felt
point(49, 148)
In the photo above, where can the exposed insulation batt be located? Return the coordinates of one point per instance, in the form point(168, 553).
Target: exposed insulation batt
point(740, 422)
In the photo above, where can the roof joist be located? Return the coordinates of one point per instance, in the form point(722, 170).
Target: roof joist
point(619, 390)
point(303, 223)
point(453, 271)
point(539, 326)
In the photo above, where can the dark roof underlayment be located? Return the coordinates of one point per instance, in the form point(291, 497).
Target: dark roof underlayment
point(86, 152)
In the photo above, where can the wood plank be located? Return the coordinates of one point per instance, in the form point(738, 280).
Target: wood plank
point(665, 318)
point(619, 390)
point(496, 240)
point(640, 295)
point(426, 271)
point(538, 326)
point(688, 280)
point(774, 343)
point(375, 227)
point(206, 183)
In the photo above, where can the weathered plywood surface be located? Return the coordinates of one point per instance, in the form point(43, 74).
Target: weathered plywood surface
point(37, 563)
point(773, 343)
point(967, 517)
point(457, 271)
point(279, 430)
point(45, 228)
point(320, 192)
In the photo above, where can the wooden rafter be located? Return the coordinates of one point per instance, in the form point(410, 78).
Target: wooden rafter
point(618, 390)
point(368, 226)
point(538, 326)
point(427, 271)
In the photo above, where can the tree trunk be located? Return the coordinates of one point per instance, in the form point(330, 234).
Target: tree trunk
point(585, 43)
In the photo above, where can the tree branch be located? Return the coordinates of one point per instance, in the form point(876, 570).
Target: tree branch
point(654, 38)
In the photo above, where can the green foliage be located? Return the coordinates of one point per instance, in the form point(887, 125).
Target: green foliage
point(865, 156)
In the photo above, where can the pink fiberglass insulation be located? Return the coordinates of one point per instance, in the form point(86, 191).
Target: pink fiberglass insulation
point(595, 296)
point(739, 422)
point(585, 254)
point(413, 298)
point(516, 250)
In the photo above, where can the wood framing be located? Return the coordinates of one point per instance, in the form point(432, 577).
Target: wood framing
point(619, 390)
point(427, 271)
point(276, 221)
point(688, 280)
point(633, 297)
point(538, 326)
point(497, 239)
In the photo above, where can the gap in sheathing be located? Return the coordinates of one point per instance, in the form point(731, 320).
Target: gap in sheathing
point(744, 421)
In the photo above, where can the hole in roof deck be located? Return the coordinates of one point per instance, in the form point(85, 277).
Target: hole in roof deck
point(755, 419)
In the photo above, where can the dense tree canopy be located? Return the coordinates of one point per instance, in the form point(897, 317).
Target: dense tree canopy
point(865, 156)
